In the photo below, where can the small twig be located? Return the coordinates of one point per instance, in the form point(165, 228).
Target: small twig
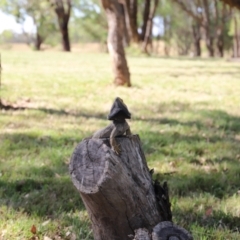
point(169, 173)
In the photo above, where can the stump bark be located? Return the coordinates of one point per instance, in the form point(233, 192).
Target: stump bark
point(117, 191)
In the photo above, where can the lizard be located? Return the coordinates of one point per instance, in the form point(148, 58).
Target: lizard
point(118, 113)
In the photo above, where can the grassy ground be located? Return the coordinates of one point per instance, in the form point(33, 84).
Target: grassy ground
point(185, 111)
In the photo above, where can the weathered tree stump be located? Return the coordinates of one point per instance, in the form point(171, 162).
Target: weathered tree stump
point(117, 190)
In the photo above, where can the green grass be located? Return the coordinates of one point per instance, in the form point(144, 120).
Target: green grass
point(186, 112)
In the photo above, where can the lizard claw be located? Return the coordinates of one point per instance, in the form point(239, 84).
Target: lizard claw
point(117, 149)
point(130, 136)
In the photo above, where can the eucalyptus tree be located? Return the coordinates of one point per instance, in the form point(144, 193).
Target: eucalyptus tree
point(89, 21)
point(113, 10)
point(232, 3)
point(43, 17)
point(131, 18)
point(212, 17)
point(63, 9)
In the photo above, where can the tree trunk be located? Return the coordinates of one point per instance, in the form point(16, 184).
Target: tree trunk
point(209, 44)
point(148, 32)
point(196, 39)
point(115, 42)
point(220, 43)
point(220, 22)
point(126, 36)
point(156, 48)
point(131, 19)
point(146, 12)
point(207, 27)
point(233, 3)
point(63, 12)
point(38, 42)
point(167, 36)
point(118, 192)
point(236, 47)
point(65, 39)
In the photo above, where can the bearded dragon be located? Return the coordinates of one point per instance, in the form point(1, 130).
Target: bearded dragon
point(118, 113)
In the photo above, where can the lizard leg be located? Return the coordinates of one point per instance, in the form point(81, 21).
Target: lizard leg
point(115, 147)
point(129, 133)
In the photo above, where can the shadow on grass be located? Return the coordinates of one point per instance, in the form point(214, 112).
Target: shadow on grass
point(39, 182)
point(217, 220)
point(219, 184)
point(45, 198)
point(217, 173)
point(210, 119)
point(217, 118)
point(14, 142)
point(209, 73)
point(48, 190)
point(60, 112)
point(210, 149)
point(220, 119)
point(73, 113)
point(174, 58)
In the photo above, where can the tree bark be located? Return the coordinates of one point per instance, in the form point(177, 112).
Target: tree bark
point(148, 32)
point(207, 27)
point(115, 42)
point(220, 22)
point(196, 39)
point(233, 3)
point(63, 16)
point(65, 39)
point(236, 47)
point(131, 19)
point(220, 43)
point(167, 36)
point(38, 42)
point(146, 13)
point(209, 44)
point(126, 36)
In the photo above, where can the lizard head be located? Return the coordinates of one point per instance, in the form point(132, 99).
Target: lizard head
point(119, 110)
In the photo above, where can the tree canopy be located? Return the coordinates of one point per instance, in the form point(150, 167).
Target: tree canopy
point(183, 27)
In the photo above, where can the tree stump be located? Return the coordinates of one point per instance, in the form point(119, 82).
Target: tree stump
point(117, 191)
